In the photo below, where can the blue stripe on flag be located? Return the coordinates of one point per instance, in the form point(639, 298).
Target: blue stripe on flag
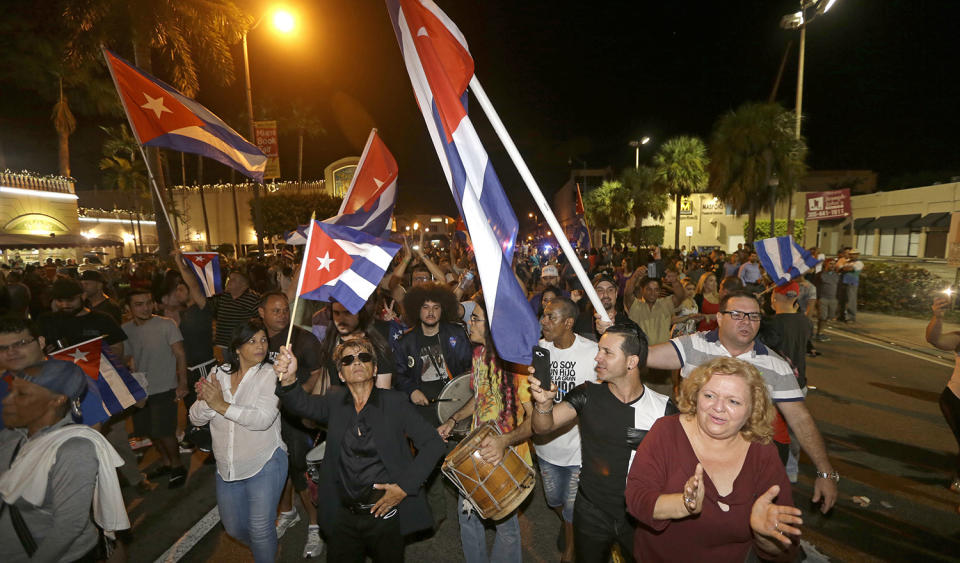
point(783, 259)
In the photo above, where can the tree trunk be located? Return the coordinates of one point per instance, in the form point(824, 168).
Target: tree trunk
point(790, 212)
point(63, 152)
point(752, 223)
point(236, 219)
point(676, 230)
point(140, 231)
point(141, 57)
point(300, 163)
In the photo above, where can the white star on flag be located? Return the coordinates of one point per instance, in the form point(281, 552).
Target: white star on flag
point(379, 183)
point(78, 356)
point(325, 262)
point(155, 105)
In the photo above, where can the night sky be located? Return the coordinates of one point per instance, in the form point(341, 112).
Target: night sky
point(576, 81)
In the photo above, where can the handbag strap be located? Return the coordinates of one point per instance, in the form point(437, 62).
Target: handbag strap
point(19, 524)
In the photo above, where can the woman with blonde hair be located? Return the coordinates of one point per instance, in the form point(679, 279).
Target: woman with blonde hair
point(707, 299)
point(707, 483)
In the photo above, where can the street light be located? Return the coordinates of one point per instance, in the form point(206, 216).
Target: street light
point(637, 145)
point(809, 10)
point(284, 22)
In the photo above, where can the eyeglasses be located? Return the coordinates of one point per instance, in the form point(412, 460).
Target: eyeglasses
point(16, 345)
point(362, 356)
point(740, 315)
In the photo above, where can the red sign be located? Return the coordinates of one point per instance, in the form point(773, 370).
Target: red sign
point(828, 205)
point(265, 133)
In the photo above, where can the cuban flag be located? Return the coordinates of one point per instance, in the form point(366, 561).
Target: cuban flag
point(343, 263)
point(440, 68)
point(368, 205)
point(118, 389)
point(206, 267)
point(297, 237)
point(784, 259)
point(160, 116)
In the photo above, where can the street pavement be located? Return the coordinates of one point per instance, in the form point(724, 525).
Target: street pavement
point(873, 393)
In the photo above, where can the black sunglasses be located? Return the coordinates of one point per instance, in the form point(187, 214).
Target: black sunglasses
point(362, 356)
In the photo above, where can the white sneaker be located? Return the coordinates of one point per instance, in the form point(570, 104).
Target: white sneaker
point(314, 545)
point(286, 520)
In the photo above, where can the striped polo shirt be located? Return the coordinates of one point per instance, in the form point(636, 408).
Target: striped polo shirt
point(701, 347)
point(231, 312)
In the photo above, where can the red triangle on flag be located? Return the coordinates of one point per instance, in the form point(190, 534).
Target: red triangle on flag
point(325, 260)
point(200, 259)
point(86, 355)
point(376, 172)
point(153, 110)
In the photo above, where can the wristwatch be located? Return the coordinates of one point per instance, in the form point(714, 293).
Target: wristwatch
point(833, 476)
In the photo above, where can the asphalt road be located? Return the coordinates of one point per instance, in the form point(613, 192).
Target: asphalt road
point(875, 404)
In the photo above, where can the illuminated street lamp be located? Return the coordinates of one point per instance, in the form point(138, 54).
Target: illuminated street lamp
point(809, 10)
point(637, 145)
point(284, 22)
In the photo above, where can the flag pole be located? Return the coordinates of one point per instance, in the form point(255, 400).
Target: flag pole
point(561, 237)
point(143, 155)
point(303, 269)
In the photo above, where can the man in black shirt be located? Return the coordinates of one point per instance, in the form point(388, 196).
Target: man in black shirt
point(71, 323)
point(275, 311)
point(371, 483)
point(614, 415)
point(95, 299)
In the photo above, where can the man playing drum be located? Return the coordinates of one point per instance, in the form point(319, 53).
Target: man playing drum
point(503, 398)
point(614, 414)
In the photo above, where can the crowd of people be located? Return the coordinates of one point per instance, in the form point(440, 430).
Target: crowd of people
point(652, 473)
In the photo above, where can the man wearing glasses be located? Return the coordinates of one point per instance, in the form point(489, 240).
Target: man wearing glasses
point(371, 484)
point(736, 336)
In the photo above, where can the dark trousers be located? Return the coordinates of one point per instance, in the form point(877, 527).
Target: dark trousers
point(357, 536)
point(595, 532)
point(950, 407)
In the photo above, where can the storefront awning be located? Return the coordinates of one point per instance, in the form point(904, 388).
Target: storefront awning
point(861, 223)
point(29, 242)
point(894, 221)
point(934, 220)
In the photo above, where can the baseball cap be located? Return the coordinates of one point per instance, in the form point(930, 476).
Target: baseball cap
point(65, 288)
point(549, 271)
point(92, 275)
point(58, 376)
point(791, 289)
point(605, 278)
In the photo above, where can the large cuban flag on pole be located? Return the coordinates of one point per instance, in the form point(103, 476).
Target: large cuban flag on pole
point(160, 116)
point(440, 68)
point(368, 205)
point(784, 259)
point(206, 267)
point(344, 264)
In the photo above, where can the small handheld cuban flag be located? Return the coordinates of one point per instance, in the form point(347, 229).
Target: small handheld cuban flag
point(296, 237)
point(368, 205)
point(784, 259)
point(343, 263)
point(206, 267)
point(118, 389)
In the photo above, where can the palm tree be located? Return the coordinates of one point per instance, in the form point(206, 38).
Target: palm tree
point(608, 206)
point(179, 30)
point(749, 146)
point(305, 121)
point(646, 196)
point(680, 168)
point(65, 124)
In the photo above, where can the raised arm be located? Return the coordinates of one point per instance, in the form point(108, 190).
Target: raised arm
point(805, 429)
point(935, 336)
point(548, 415)
point(196, 292)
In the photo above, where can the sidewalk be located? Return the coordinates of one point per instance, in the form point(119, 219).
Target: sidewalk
point(907, 332)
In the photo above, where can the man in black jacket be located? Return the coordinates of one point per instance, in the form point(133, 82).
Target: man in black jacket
point(371, 485)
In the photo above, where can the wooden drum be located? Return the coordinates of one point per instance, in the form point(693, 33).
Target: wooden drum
point(494, 490)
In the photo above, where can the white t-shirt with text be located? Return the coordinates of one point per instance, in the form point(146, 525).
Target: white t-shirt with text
point(569, 367)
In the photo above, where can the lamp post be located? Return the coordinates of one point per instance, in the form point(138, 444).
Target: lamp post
point(637, 145)
point(284, 22)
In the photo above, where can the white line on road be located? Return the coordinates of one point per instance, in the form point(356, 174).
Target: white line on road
point(193, 536)
point(891, 348)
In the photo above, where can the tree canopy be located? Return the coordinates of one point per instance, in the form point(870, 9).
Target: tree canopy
point(680, 168)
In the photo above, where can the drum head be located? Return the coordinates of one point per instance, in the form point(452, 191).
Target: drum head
point(454, 395)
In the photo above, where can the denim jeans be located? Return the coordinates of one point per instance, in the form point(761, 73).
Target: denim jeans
point(248, 507)
point(560, 486)
point(506, 544)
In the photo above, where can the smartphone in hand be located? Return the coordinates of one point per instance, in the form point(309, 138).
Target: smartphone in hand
point(541, 366)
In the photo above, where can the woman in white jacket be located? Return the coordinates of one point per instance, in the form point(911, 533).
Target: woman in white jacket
point(237, 399)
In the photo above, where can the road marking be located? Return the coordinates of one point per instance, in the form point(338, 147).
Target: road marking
point(891, 348)
point(193, 536)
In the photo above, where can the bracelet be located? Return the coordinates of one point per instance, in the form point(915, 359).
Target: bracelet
point(453, 419)
point(536, 407)
point(833, 476)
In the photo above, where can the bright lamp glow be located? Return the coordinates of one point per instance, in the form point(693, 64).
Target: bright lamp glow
point(110, 220)
point(283, 21)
